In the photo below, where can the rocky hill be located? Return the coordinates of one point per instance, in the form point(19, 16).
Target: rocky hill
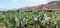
point(53, 5)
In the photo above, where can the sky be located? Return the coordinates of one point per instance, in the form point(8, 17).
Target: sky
point(9, 4)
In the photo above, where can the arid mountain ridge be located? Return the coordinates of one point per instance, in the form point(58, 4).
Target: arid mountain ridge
point(53, 5)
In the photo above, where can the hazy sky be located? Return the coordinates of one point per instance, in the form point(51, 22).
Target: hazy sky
point(20, 3)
